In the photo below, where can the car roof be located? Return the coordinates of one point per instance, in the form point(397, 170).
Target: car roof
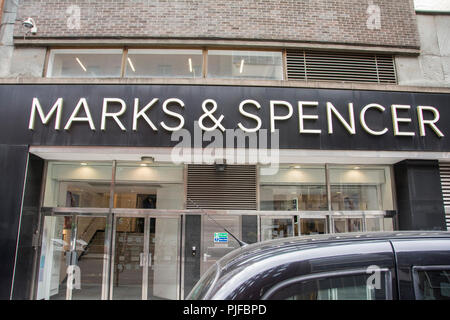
point(259, 249)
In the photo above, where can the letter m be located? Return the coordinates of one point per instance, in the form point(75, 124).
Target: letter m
point(46, 118)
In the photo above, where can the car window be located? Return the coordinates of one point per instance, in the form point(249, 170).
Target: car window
point(432, 284)
point(338, 287)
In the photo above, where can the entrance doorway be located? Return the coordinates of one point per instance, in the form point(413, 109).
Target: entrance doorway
point(145, 263)
point(115, 256)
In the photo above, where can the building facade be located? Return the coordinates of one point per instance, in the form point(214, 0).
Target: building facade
point(143, 140)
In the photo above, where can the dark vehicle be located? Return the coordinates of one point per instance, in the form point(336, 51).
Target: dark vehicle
point(356, 266)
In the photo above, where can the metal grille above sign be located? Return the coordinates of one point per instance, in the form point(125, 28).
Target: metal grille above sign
point(336, 66)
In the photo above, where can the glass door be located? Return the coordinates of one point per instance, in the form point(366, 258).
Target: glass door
point(128, 258)
point(145, 262)
point(163, 259)
point(216, 242)
point(72, 258)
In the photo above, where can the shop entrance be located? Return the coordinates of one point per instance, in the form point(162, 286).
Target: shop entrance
point(109, 256)
point(145, 260)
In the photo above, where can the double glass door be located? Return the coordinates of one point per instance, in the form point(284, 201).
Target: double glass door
point(82, 257)
point(145, 263)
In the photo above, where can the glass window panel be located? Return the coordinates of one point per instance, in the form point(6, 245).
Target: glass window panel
point(310, 226)
point(245, 64)
point(149, 186)
point(55, 250)
point(127, 267)
point(90, 248)
point(347, 225)
point(85, 63)
point(78, 184)
point(361, 188)
point(294, 188)
point(352, 287)
point(163, 271)
point(164, 63)
point(274, 228)
point(374, 224)
point(433, 284)
point(388, 224)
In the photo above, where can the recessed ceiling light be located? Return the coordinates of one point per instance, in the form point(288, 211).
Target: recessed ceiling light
point(147, 159)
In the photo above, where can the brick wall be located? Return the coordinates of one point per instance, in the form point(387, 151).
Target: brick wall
point(335, 21)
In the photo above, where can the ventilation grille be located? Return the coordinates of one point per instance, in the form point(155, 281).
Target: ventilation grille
point(353, 67)
point(231, 189)
point(444, 168)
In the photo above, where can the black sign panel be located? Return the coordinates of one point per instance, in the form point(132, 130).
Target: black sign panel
point(184, 104)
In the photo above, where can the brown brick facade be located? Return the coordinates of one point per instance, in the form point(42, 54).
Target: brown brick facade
point(313, 21)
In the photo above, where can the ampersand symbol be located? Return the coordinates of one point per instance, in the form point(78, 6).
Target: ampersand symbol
point(209, 114)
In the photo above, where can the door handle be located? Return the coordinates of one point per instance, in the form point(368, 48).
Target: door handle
point(141, 259)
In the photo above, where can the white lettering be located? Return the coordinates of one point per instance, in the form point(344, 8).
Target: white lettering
point(74, 117)
point(173, 114)
point(396, 120)
point(431, 123)
point(114, 115)
point(57, 106)
point(362, 118)
point(302, 117)
point(350, 127)
point(250, 115)
point(273, 118)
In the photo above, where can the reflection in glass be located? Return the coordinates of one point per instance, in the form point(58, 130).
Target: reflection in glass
point(310, 226)
point(274, 228)
point(75, 184)
point(85, 63)
point(164, 63)
point(163, 259)
point(388, 224)
point(55, 251)
point(128, 260)
point(352, 287)
point(294, 188)
point(149, 186)
point(347, 225)
point(90, 248)
point(245, 64)
point(361, 188)
point(374, 224)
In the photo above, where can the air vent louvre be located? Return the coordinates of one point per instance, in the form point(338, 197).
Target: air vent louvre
point(341, 67)
point(444, 168)
point(231, 189)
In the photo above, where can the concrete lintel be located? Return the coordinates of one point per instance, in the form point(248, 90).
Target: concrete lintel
point(228, 82)
point(115, 42)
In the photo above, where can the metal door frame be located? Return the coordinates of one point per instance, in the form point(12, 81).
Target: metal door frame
point(74, 213)
point(147, 214)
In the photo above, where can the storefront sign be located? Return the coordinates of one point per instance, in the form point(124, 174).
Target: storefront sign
point(147, 115)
